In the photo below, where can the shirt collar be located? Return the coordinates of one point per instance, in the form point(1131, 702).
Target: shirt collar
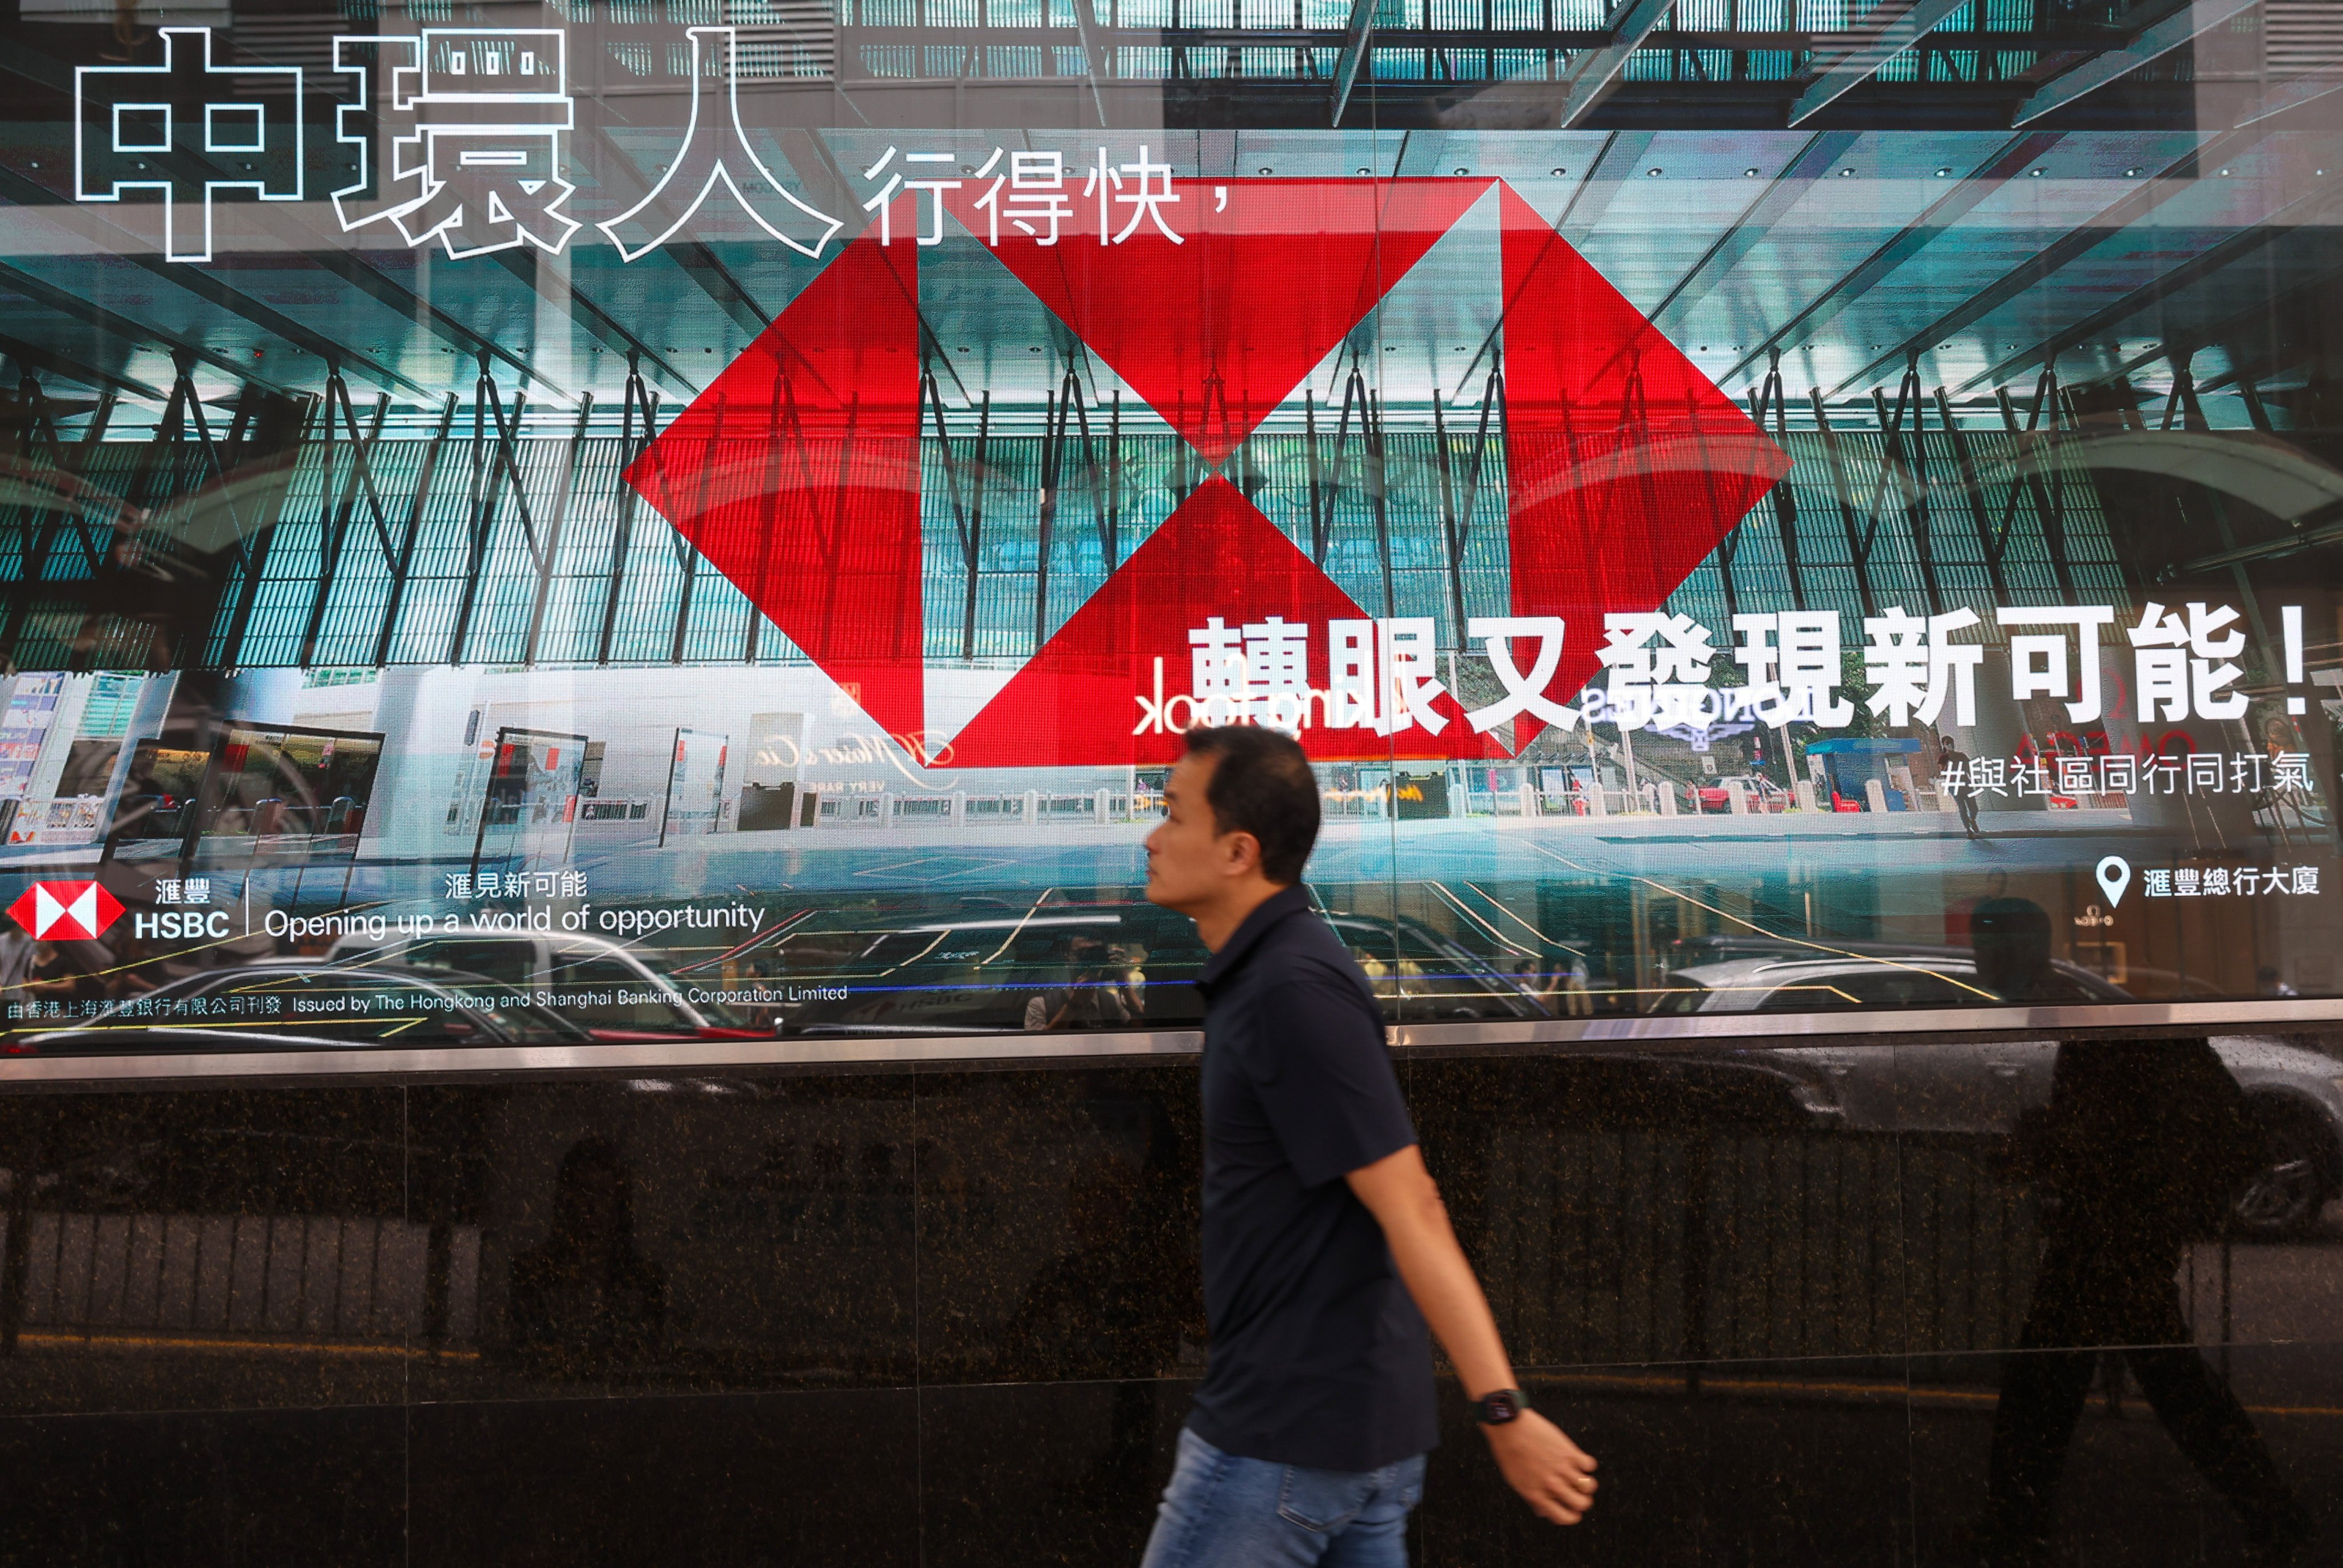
point(1254, 926)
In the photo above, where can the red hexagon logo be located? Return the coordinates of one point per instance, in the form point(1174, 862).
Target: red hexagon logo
point(66, 911)
point(797, 473)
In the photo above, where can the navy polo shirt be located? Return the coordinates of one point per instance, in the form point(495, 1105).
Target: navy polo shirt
point(1318, 1357)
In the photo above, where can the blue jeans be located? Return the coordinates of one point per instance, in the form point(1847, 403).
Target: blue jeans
point(1224, 1511)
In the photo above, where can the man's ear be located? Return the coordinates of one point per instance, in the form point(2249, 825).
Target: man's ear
point(1243, 853)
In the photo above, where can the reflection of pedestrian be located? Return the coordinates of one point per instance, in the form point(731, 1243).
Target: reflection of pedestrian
point(586, 1295)
point(2011, 939)
point(66, 974)
point(1570, 980)
point(1093, 996)
point(2142, 1147)
point(15, 955)
point(1127, 962)
point(1948, 757)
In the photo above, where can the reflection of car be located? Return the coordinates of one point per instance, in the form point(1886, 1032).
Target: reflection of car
point(1089, 966)
point(2296, 1094)
point(642, 1002)
point(1802, 983)
point(1762, 794)
point(2297, 1099)
point(308, 1006)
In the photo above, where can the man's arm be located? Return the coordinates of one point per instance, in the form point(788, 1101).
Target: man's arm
point(1553, 1475)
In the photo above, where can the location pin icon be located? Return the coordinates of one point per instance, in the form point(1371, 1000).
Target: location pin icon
point(2115, 876)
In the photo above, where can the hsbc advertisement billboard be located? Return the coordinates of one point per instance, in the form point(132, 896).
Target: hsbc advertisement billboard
point(731, 577)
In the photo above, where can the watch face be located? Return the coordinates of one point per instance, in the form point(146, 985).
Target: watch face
point(1499, 1408)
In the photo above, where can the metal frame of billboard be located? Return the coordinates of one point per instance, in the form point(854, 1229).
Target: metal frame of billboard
point(1570, 1036)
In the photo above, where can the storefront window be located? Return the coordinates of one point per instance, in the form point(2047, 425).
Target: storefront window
point(604, 522)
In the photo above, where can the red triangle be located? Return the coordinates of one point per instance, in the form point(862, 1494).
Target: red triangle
point(797, 474)
point(1626, 466)
point(1217, 330)
point(1076, 702)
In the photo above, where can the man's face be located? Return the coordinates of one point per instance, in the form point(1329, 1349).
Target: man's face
point(1187, 857)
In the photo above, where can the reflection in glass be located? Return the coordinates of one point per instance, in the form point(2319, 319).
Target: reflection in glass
point(2141, 1150)
point(769, 492)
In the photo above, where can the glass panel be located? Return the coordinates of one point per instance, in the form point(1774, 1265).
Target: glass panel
point(718, 517)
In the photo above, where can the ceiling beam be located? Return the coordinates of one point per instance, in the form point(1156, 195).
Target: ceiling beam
point(1632, 21)
point(1606, 174)
point(1355, 34)
point(50, 362)
point(699, 261)
point(205, 285)
point(2162, 286)
point(2009, 160)
point(1890, 30)
point(2292, 94)
point(592, 317)
point(2159, 38)
point(1822, 150)
point(66, 302)
point(706, 269)
point(199, 282)
point(1086, 24)
point(352, 268)
point(2117, 216)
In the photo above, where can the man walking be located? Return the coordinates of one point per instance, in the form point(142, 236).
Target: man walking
point(1326, 1249)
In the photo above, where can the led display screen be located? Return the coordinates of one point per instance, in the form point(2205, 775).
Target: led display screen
point(581, 524)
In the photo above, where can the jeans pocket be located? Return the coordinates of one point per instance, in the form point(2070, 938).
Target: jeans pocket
point(1324, 1501)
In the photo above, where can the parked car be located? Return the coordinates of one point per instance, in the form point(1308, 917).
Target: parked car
point(1103, 965)
point(2296, 1094)
point(1762, 794)
point(308, 1006)
point(655, 1007)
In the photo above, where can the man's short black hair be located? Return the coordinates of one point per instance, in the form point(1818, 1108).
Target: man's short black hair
point(1262, 784)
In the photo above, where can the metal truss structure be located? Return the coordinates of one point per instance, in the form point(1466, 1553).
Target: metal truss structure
point(473, 544)
point(1564, 64)
point(1947, 434)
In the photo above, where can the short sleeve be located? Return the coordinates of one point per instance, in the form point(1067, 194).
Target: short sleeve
point(1325, 1077)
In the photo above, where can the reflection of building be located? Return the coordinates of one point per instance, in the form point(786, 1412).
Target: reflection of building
point(326, 592)
point(62, 752)
point(1849, 770)
point(462, 501)
point(291, 795)
point(1854, 529)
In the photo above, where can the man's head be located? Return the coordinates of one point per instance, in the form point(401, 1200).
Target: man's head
point(1240, 814)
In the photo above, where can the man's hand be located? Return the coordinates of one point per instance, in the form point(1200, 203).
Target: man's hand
point(1554, 1476)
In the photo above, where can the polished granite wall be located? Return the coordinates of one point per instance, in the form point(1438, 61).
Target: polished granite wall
point(951, 1317)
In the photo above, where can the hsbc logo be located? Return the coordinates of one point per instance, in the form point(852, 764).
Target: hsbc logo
point(66, 911)
point(1623, 466)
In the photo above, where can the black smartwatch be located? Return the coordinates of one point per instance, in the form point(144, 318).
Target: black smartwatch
point(1497, 1408)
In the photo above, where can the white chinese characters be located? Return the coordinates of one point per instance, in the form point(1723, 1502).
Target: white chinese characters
point(473, 119)
point(1657, 669)
point(462, 135)
point(187, 128)
point(2175, 658)
point(716, 150)
point(2230, 882)
point(462, 887)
